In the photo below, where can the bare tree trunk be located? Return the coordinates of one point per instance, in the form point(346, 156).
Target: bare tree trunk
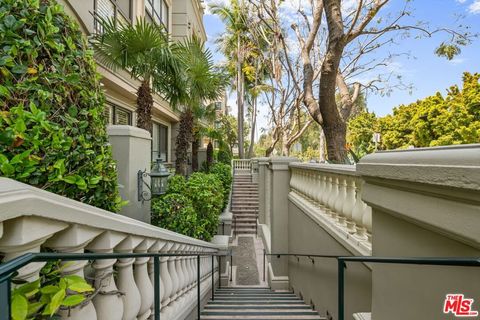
point(334, 126)
point(240, 100)
point(322, 147)
point(254, 123)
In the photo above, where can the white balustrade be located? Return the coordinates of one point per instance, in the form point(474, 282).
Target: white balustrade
point(242, 166)
point(32, 219)
point(334, 192)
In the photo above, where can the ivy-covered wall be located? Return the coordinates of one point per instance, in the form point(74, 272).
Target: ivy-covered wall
point(52, 128)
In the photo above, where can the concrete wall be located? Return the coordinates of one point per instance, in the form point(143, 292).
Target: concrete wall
point(425, 202)
point(131, 148)
point(317, 282)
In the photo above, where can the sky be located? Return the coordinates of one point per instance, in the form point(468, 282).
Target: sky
point(425, 71)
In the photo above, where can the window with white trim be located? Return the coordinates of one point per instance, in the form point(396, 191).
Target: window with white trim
point(157, 11)
point(117, 115)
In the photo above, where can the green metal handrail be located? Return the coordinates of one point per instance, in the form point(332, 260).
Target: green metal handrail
point(8, 270)
point(342, 260)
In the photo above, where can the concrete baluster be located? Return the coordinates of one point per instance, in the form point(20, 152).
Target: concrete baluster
point(74, 240)
point(180, 272)
point(169, 308)
point(358, 212)
point(349, 203)
point(318, 188)
point(333, 198)
point(142, 279)
point(165, 275)
point(327, 191)
point(341, 219)
point(126, 281)
point(186, 275)
point(27, 234)
point(367, 220)
point(108, 304)
point(155, 248)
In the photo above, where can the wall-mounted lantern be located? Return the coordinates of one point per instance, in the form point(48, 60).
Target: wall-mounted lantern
point(158, 181)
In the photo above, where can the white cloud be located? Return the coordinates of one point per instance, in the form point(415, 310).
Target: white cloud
point(208, 2)
point(456, 61)
point(474, 7)
point(461, 1)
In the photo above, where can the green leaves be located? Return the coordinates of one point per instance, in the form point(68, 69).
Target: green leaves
point(52, 130)
point(432, 121)
point(191, 207)
point(19, 307)
point(46, 295)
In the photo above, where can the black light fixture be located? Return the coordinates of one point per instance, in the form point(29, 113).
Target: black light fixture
point(158, 181)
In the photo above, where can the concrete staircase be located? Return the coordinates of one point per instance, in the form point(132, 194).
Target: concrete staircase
point(257, 303)
point(244, 205)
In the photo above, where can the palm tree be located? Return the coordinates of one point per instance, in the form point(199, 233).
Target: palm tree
point(234, 17)
point(145, 51)
point(202, 82)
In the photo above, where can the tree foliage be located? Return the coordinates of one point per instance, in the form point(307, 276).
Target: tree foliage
point(332, 53)
point(144, 49)
point(52, 128)
point(434, 121)
point(192, 207)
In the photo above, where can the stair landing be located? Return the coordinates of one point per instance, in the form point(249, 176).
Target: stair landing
point(257, 304)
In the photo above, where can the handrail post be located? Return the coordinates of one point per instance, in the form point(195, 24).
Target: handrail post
point(5, 302)
point(264, 258)
point(198, 287)
point(231, 267)
point(156, 288)
point(341, 289)
point(219, 272)
point(213, 279)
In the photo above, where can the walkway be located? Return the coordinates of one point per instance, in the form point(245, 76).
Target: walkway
point(248, 296)
point(258, 304)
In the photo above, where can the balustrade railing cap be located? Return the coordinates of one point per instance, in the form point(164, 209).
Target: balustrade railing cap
point(281, 163)
point(451, 166)
point(18, 199)
point(263, 160)
point(332, 168)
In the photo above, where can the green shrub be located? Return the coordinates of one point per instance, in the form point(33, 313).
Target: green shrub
point(175, 212)
point(224, 155)
point(191, 207)
point(52, 128)
point(204, 167)
point(206, 193)
point(224, 173)
point(177, 184)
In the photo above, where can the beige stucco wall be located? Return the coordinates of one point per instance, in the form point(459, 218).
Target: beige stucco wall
point(317, 282)
point(417, 292)
point(185, 16)
point(426, 203)
point(187, 19)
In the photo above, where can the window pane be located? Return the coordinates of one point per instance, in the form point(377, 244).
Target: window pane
point(156, 6)
point(107, 113)
point(149, 6)
point(124, 6)
point(163, 143)
point(105, 9)
point(165, 14)
point(122, 116)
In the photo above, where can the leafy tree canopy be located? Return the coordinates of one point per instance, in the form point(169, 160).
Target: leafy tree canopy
point(434, 121)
